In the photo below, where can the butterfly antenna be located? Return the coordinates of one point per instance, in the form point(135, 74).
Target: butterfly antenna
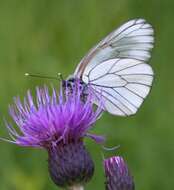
point(60, 76)
point(41, 76)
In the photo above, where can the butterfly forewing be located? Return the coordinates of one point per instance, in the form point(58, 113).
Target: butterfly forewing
point(116, 67)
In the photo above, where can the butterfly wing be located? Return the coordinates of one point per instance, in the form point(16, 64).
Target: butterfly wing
point(133, 39)
point(122, 83)
point(117, 67)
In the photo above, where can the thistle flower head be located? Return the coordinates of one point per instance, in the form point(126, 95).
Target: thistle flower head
point(117, 174)
point(49, 119)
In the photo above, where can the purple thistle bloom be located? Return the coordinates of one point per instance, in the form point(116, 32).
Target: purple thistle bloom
point(58, 123)
point(117, 174)
point(49, 119)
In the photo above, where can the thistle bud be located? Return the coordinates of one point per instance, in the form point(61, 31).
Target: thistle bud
point(117, 174)
point(70, 164)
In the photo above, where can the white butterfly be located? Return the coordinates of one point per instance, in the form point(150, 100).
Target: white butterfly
point(117, 68)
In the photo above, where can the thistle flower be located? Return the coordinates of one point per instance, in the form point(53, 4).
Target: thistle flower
point(117, 174)
point(57, 123)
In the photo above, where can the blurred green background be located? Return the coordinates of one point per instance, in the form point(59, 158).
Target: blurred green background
point(50, 36)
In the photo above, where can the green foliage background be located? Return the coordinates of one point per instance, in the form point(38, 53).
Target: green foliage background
point(51, 36)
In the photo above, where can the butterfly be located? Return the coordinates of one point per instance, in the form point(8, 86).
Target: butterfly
point(116, 68)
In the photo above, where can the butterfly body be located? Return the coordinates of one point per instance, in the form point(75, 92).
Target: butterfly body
point(70, 84)
point(116, 68)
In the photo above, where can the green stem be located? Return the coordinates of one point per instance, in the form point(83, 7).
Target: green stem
point(76, 187)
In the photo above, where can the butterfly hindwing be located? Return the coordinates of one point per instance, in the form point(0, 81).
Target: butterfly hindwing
point(123, 84)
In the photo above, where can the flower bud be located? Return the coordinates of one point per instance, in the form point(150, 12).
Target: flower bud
point(117, 174)
point(70, 164)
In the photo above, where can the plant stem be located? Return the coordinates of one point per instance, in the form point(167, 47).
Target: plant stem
point(76, 187)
